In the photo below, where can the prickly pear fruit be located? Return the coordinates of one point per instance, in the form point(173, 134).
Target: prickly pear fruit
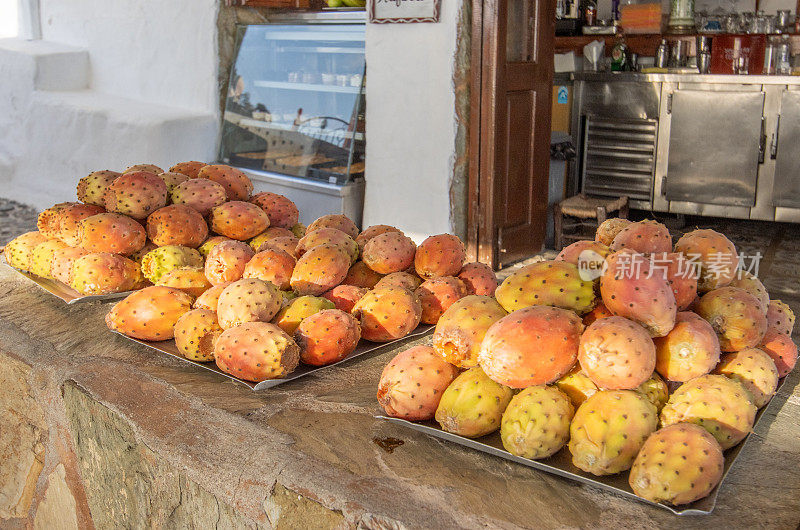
point(531, 346)
point(656, 390)
point(547, 283)
point(439, 255)
point(271, 265)
point(406, 280)
point(161, 260)
point(177, 224)
point(172, 179)
point(69, 220)
point(299, 230)
point(338, 221)
point(599, 311)
point(226, 261)
point(690, 350)
point(139, 254)
point(536, 422)
point(746, 281)
point(63, 259)
point(630, 289)
point(149, 314)
point(715, 254)
point(389, 252)
point(256, 351)
point(327, 337)
point(678, 464)
point(196, 332)
point(149, 168)
point(200, 194)
point(47, 221)
point(645, 237)
point(331, 236)
point(287, 244)
point(780, 317)
point(111, 232)
point(781, 349)
point(388, 313)
point(617, 354)
point(42, 257)
point(19, 250)
point(359, 275)
point(581, 253)
point(680, 273)
point(344, 297)
point(190, 280)
point(413, 382)
point(461, 328)
point(136, 194)
point(190, 168)
point(320, 269)
point(210, 243)
point(609, 429)
point(270, 233)
point(735, 315)
point(473, 404)
point(248, 300)
point(282, 212)
point(238, 220)
point(104, 273)
point(210, 298)
point(438, 294)
point(237, 186)
point(372, 231)
point(755, 370)
point(298, 309)
point(577, 386)
point(720, 405)
point(478, 278)
point(92, 187)
point(609, 229)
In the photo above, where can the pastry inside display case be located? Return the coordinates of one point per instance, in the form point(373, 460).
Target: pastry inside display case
point(295, 103)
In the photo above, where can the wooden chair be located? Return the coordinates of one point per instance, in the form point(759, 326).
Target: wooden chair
point(584, 208)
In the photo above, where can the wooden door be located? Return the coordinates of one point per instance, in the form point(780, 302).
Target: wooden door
point(510, 160)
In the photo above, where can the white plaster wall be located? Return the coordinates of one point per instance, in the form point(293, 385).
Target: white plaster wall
point(411, 124)
point(148, 50)
point(8, 18)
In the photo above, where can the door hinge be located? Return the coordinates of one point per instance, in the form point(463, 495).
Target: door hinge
point(669, 103)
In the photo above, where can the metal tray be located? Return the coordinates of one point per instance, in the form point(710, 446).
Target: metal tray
point(364, 347)
point(64, 291)
point(561, 463)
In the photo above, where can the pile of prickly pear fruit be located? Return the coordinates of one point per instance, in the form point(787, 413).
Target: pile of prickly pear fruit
point(630, 352)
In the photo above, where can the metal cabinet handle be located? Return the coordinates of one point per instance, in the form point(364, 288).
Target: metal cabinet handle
point(773, 151)
point(762, 144)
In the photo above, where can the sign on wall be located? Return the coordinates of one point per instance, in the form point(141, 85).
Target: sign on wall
point(404, 11)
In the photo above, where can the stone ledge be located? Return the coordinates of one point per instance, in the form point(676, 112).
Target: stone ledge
point(55, 66)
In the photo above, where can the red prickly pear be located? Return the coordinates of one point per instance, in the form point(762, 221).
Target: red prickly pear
point(327, 337)
point(689, 350)
point(599, 311)
point(271, 265)
point(19, 250)
point(781, 349)
point(177, 224)
point(287, 244)
point(389, 252)
point(92, 188)
point(461, 328)
point(405, 280)
point(256, 351)
point(136, 194)
point(438, 294)
point(237, 186)
point(104, 273)
point(149, 314)
point(645, 237)
point(631, 290)
point(780, 317)
point(755, 370)
point(609, 229)
point(190, 169)
point(226, 261)
point(111, 232)
point(270, 233)
point(331, 236)
point(572, 253)
point(172, 180)
point(413, 382)
point(61, 267)
point(751, 284)
point(547, 283)
point(338, 221)
point(161, 260)
point(680, 273)
point(479, 279)
point(190, 280)
point(70, 219)
point(617, 354)
point(248, 300)
point(372, 231)
point(42, 257)
point(736, 316)
point(238, 220)
point(359, 275)
point(48, 221)
point(344, 297)
point(440, 255)
point(298, 309)
point(531, 346)
point(715, 255)
point(320, 269)
point(282, 212)
point(388, 313)
point(210, 298)
point(196, 332)
point(200, 194)
point(149, 168)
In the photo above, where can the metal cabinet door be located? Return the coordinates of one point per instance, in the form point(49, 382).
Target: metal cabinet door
point(714, 147)
point(786, 190)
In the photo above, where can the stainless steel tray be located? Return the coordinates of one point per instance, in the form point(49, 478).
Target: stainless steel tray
point(64, 291)
point(364, 347)
point(561, 463)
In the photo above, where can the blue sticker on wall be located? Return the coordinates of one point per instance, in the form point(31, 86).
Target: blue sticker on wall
point(563, 95)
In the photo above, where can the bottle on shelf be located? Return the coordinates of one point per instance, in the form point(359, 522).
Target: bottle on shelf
point(619, 55)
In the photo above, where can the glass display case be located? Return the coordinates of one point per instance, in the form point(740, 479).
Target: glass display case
point(295, 103)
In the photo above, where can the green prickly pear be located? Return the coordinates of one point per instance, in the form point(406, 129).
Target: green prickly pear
point(473, 404)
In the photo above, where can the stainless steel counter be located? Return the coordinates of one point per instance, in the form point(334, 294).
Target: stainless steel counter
point(711, 79)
